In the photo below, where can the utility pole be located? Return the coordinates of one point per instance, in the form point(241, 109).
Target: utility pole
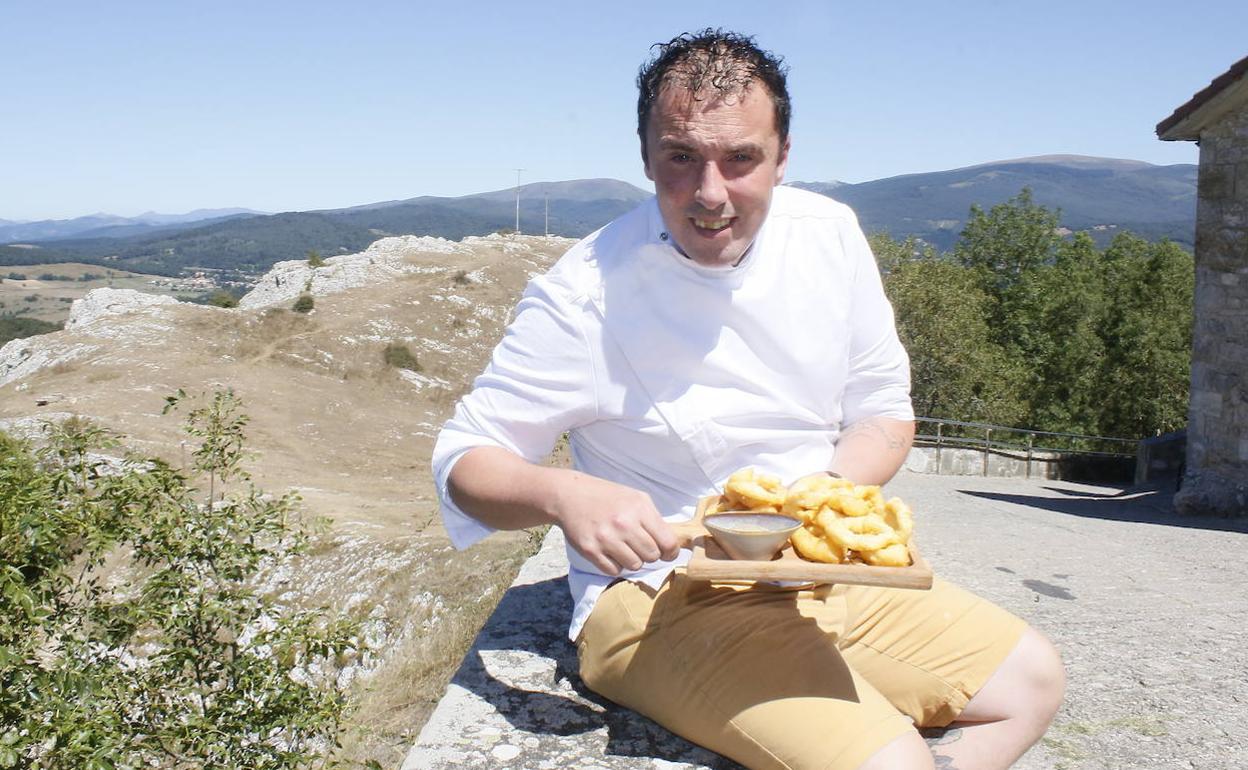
point(518, 200)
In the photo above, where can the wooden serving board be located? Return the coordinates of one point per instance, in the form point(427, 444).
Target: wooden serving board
point(709, 562)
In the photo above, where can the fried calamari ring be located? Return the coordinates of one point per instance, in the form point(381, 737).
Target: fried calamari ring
point(841, 522)
point(895, 555)
point(898, 516)
point(755, 491)
point(871, 495)
point(816, 548)
point(809, 494)
point(846, 503)
point(857, 533)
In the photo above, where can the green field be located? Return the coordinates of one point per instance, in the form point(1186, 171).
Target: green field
point(44, 292)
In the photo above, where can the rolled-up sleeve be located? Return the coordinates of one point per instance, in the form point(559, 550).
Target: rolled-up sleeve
point(878, 383)
point(539, 383)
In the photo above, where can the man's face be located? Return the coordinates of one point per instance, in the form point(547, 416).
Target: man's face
point(714, 163)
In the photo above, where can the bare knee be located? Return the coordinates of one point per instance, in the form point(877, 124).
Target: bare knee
point(1045, 674)
point(907, 751)
point(1028, 686)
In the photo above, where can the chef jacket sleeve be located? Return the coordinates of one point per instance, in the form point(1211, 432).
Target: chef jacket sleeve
point(537, 385)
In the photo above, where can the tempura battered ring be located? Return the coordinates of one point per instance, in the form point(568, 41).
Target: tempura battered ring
point(858, 533)
point(848, 504)
point(806, 496)
point(755, 491)
point(898, 516)
point(810, 546)
point(895, 555)
point(842, 522)
point(872, 495)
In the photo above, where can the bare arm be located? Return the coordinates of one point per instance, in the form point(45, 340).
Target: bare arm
point(871, 451)
point(614, 526)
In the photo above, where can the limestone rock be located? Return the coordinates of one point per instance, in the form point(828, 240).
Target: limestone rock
point(105, 302)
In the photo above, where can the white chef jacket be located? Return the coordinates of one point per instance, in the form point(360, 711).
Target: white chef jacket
point(668, 376)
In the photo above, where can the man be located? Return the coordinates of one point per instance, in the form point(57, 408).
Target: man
point(730, 323)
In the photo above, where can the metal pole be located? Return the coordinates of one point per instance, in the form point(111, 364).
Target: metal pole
point(518, 200)
point(939, 425)
point(1030, 436)
point(987, 443)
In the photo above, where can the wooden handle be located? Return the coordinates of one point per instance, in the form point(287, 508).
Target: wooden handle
point(688, 531)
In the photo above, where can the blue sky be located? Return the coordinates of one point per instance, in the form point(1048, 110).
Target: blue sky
point(126, 107)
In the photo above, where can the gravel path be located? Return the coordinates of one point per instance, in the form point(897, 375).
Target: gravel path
point(1148, 610)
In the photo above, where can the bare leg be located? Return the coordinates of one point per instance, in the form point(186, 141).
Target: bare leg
point(1011, 711)
point(906, 752)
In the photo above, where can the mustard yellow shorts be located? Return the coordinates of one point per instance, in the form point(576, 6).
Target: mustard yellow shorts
point(791, 678)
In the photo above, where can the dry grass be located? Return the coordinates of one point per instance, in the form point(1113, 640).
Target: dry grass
point(395, 701)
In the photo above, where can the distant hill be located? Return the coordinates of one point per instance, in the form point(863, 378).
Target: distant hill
point(109, 225)
point(252, 244)
point(1101, 195)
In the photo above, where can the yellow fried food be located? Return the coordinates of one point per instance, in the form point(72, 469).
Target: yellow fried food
point(857, 533)
point(871, 495)
point(755, 491)
point(846, 503)
point(895, 555)
point(809, 494)
point(898, 516)
point(815, 548)
point(842, 522)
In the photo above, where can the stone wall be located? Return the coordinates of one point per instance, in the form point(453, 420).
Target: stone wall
point(1217, 449)
point(958, 461)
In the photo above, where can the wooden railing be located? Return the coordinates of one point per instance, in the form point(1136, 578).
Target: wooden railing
point(1021, 442)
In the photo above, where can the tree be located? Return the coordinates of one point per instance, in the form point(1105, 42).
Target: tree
point(1004, 247)
point(957, 370)
point(1064, 340)
point(315, 259)
point(1147, 336)
point(182, 664)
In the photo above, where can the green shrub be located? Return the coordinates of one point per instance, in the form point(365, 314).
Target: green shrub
point(400, 356)
point(315, 259)
point(13, 328)
point(304, 304)
point(182, 664)
point(221, 298)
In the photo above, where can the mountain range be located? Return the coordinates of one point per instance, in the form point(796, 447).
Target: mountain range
point(110, 225)
point(1100, 195)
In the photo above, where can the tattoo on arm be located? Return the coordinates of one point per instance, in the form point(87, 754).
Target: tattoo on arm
point(943, 762)
point(890, 439)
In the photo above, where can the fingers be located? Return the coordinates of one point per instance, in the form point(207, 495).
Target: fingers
point(628, 542)
point(616, 528)
point(664, 538)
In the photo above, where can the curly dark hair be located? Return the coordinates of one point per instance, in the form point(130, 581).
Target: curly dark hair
point(727, 62)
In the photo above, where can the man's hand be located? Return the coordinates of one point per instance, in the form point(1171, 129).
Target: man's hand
point(615, 527)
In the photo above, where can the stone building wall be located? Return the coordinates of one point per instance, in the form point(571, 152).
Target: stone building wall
point(1217, 453)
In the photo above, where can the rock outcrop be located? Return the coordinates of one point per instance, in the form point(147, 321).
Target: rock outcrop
point(330, 418)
